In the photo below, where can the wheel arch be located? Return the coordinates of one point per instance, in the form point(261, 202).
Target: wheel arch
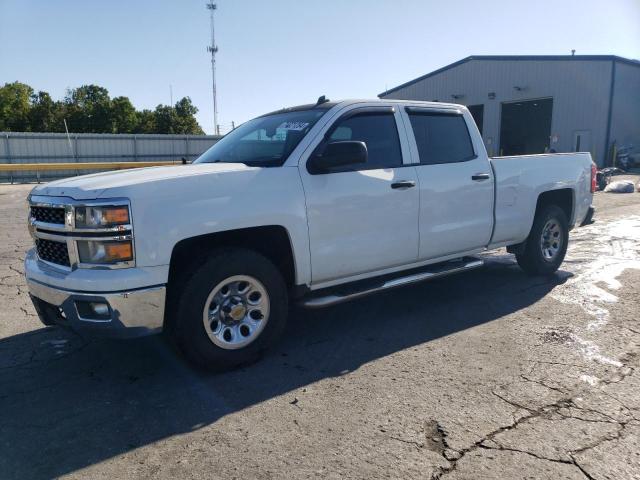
point(563, 198)
point(271, 241)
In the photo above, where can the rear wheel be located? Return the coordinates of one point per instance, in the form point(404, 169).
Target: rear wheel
point(546, 245)
point(230, 310)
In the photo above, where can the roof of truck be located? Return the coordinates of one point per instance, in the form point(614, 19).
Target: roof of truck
point(402, 102)
point(329, 104)
point(309, 106)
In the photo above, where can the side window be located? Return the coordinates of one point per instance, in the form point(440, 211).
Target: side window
point(441, 138)
point(378, 131)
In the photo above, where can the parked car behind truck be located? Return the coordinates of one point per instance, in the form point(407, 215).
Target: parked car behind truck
point(317, 204)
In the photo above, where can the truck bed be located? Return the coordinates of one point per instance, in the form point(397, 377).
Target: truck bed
point(521, 179)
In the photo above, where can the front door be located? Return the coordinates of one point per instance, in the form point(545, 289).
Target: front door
point(362, 218)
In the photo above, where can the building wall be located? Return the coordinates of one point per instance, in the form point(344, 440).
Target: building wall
point(579, 88)
point(625, 112)
point(21, 147)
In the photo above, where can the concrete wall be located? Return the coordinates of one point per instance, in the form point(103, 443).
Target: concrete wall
point(625, 112)
point(19, 147)
point(579, 88)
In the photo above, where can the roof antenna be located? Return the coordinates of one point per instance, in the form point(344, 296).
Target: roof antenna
point(321, 100)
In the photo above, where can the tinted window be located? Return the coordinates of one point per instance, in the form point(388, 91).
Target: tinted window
point(378, 131)
point(441, 138)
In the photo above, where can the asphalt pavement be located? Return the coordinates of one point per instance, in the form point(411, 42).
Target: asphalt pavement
point(484, 375)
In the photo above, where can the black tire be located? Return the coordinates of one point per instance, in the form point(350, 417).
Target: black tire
point(532, 259)
point(189, 331)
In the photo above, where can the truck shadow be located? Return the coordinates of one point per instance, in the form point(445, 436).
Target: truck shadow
point(66, 404)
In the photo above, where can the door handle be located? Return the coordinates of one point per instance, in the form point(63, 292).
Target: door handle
point(403, 184)
point(480, 176)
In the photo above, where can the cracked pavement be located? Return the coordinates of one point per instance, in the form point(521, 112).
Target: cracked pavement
point(484, 375)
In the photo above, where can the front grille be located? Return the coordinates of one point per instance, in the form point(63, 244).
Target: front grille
point(54, 252)
point(48, 214)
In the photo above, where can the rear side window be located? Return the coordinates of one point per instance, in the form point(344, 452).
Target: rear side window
point(441, 138)
point(378, 131)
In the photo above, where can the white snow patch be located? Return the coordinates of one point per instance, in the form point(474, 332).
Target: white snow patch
point(591, 380)
point(591, 351)
point(605, 250)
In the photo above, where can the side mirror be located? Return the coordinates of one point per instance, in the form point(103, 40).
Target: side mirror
point(338, 154)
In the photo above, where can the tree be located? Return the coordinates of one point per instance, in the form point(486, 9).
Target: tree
point(166, 119)
point(89, 109)
point(187, 123)
point(177, 119)
point(123, 115)
point(145, 122)
point(45, 115)
point(14, 107)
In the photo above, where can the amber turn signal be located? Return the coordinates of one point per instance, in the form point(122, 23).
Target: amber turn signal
point(119, 251)
point(116, 216)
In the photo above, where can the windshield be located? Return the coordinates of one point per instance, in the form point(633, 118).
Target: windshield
point(264, 141)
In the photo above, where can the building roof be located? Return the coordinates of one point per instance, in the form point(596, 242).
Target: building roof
point(516, 58)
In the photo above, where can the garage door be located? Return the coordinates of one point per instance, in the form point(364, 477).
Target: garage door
point(525, 127)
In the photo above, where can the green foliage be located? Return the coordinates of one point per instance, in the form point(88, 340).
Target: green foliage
point(45, 115)
point(90, 109)
point(145, 122)
point(15, 103)
point(123, 115)
point(185, 111)
point(166, 119)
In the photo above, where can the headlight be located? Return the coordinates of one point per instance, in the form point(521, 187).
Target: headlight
point(105, 252)
point(97, 217)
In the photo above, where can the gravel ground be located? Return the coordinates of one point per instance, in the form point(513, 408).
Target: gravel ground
point(490, 374)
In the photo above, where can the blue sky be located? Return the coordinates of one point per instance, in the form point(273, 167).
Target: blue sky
point(277, 53)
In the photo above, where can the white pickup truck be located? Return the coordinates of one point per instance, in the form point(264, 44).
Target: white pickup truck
point(319, 204)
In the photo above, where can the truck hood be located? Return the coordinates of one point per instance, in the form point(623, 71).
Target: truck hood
point(99, 185)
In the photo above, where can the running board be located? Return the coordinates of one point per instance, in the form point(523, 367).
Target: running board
point(344, 293)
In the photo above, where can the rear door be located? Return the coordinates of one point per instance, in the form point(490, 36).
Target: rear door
point(362, 218)
point(456, 182)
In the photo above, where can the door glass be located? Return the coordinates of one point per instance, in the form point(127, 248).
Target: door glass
point(379, 133)
point(441, 138)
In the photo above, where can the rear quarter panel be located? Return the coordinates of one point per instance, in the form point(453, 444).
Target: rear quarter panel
point(521, 179)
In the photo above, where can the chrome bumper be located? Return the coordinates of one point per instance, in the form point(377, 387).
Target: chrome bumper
point(132, 313)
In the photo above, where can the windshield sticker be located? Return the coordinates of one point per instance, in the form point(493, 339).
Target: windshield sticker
point(294, 125)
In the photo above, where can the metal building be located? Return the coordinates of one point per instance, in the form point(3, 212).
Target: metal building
point(533, 104)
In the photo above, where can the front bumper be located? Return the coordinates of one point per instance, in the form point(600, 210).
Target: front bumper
point(132, 313)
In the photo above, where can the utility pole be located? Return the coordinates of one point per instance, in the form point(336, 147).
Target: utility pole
point(213, 49)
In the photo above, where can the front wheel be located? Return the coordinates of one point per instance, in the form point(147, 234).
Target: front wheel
point(546, 245)
point(230, 310)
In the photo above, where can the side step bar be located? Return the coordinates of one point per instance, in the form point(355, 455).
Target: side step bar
point(335, 295)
